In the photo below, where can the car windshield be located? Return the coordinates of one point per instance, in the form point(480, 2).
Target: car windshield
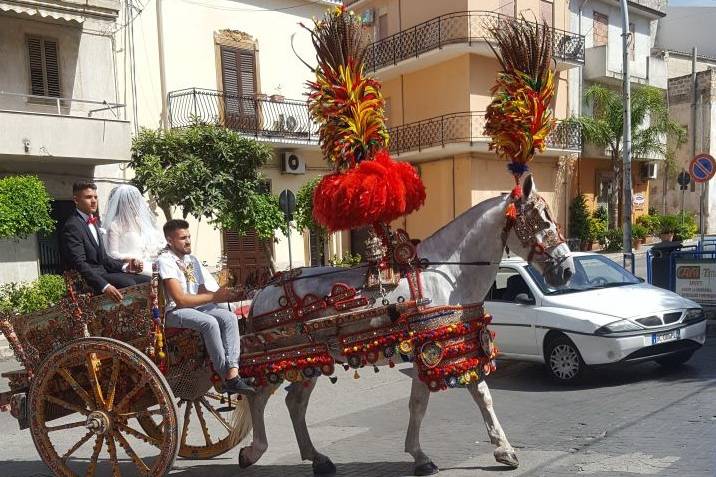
point(591, 272)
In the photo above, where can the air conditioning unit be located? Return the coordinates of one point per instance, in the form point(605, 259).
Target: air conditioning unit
point(648, 171)
point(368, 17)
point(292, 163)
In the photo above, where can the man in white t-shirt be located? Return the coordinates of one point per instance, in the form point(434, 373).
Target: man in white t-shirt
point(194, 300)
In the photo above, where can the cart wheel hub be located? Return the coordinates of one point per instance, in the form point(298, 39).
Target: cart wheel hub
point(98, 422)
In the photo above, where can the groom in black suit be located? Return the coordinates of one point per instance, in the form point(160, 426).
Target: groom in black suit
point(83, 248)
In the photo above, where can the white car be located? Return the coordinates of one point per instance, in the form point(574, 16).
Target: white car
point(604, 315)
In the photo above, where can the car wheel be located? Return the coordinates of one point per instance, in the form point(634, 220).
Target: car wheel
point(564, 363)
point(675, 360)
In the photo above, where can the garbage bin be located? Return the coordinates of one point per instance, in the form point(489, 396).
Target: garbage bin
point(660, 269)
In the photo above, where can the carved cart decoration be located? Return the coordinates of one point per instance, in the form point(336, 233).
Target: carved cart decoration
point(128, 395)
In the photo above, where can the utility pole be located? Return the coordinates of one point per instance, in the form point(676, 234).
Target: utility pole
point(162, 73)
point(694, 106)
point(626, 170)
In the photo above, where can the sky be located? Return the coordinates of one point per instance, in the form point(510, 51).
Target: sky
point(692, 3)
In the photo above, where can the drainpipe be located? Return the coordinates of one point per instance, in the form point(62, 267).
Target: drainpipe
point(162, 72)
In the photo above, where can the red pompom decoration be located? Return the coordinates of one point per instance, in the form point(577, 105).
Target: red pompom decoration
point(375, 191)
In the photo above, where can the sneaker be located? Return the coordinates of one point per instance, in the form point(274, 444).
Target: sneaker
point(238, 386)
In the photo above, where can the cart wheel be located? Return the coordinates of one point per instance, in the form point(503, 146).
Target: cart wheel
point(92, 388)
point(207, 429)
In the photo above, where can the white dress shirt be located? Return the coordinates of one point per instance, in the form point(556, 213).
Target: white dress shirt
point(95, 234)
point(92, 227)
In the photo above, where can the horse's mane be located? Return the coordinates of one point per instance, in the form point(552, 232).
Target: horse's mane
point(479, 211)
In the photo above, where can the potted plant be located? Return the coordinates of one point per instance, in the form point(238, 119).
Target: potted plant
point(651, 223)
point(668, 225)
point(638, 234)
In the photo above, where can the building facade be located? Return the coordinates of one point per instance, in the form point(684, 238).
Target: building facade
point(601, 23)
point(437, 69)
point(60, 109)
point(681, 108)
point(231, 63)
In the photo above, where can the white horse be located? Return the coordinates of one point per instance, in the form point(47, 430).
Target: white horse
point(469, 250)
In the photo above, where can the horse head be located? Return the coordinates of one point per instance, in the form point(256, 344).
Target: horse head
point(533, 235)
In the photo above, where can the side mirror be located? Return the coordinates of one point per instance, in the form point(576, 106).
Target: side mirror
point(524, 299)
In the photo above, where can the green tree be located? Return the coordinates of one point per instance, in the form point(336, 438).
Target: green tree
point(650, 122)
point(212, 172)
point(579, 219)
point(24, 207)
point(304, 212)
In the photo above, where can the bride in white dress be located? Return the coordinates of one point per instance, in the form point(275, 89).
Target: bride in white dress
point(131, 228)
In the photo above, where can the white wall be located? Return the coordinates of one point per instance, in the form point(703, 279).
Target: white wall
point(189, 47)
point(18, 260)
point(642, 35)
point(86, 61)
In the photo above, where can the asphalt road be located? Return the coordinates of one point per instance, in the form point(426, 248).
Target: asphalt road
point(640, 420)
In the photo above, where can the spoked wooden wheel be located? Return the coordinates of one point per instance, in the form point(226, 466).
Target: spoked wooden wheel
point(207, 426)
point(92, 388)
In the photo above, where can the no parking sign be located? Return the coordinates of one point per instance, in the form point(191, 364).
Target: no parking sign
point(702, 167)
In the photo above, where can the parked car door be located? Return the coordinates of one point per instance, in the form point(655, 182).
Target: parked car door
point(511, 303)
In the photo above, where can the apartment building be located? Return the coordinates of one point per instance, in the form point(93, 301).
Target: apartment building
point(600, 22)
point(231, 63)
point(60, 109)
point(437, 69)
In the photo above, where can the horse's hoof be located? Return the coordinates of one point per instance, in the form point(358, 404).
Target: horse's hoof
point(507, 458)
point(244, 462)
point(429, 468)
point(325, 468)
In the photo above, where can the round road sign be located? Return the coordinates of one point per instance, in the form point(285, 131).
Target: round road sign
point(684, 178)
point(702, 168)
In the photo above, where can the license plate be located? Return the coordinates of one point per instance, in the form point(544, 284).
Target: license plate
point(665, 336)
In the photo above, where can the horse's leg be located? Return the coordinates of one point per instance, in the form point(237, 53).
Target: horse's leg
point(504, 453)
point(257, 403)
point(419, 396)
point(297, 403)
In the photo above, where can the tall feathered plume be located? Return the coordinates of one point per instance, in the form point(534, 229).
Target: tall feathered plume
point(346, 103)
point(519, 117)
point(366, 186)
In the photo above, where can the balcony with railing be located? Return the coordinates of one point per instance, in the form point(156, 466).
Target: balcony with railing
point(50, 128)
point(464, 132)
point(467, 31)
point(271, 119)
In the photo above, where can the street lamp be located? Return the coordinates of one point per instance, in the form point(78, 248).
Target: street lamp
point(626, 173)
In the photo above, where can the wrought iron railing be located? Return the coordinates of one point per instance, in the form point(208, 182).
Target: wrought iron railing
point(259, 116)
point(454, 28)
point(467, 127)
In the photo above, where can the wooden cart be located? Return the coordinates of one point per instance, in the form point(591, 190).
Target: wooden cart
point(102, 396)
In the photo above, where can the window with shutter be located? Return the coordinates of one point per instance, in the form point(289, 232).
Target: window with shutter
point(43, 60)
point(238, 68)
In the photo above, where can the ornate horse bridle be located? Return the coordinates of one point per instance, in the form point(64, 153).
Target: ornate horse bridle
point(526, 219)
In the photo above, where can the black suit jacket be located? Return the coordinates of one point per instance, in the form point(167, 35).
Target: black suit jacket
point(83, 254)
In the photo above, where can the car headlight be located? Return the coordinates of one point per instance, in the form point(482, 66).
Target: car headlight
point(620, 326)
point(694, 314)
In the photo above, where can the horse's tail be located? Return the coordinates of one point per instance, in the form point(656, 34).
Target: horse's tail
point(240, 423)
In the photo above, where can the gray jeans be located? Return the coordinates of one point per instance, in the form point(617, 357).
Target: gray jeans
point(218, 326)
